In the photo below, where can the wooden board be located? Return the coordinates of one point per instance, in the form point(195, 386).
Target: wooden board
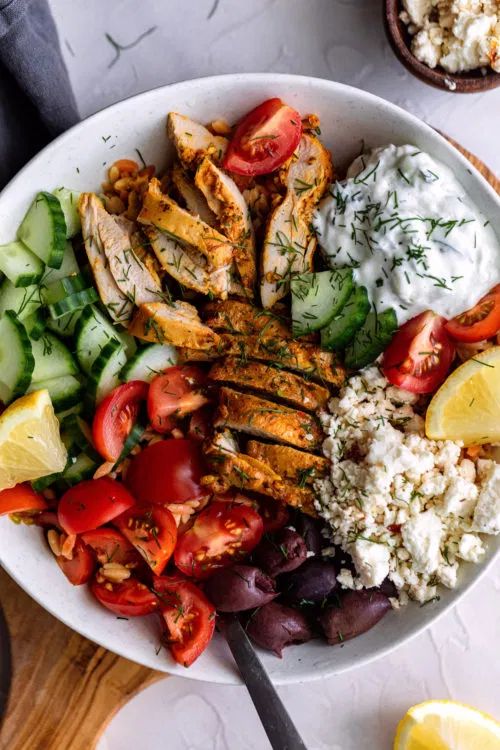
point(65, 689)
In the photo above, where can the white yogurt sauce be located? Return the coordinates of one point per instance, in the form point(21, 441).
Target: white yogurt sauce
point(415, 240)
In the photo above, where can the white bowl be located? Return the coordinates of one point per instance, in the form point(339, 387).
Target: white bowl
point(77, 159)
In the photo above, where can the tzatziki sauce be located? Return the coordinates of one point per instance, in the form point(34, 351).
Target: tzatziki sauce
point(414, 238)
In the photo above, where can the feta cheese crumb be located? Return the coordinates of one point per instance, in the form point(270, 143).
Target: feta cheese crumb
point(371, 560)
point(470, 548)
point(487, 512)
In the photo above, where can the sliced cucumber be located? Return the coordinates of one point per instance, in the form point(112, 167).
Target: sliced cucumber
point(64, 326)
point(64, 392)
point(128, 342)
point(52, 359)
point(16, 358)
point(73, 302)
point(35, 325)
point(83, 467)
point(43, 229)
point(69, 267)
point(80, 432)
point(22, 301)
point(75, 409)
point(39, 485)
point(105, 372)
point(62, 288)
point(371, 339)
point(133, 439)
point(148, 362)
point(20, 265)
point(69, 204)
point(318, 297)
point(93, 331)
point(339, 331)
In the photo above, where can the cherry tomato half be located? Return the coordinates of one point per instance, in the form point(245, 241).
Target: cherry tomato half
point(153, 532)
point(111, 546)
point(167, 472)
point(130, 598)
point(200, 425)
point(176, 392)
point(480, 322)
point(264, 139)
point(420, 354)
point(115, 417)
point(189, 618)
point(81, 567)
point(92, 503)
point(222, 534)
point(20, 498)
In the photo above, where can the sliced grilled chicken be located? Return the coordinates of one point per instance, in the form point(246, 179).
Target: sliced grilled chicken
point(193, 198)
point(270, 381)
point(252, 415)
point(228, 204)
point(289, 243)
point(176, 323)
point(296, 466)
point(117, 304)
point(184, 354)
point(233, 316)
point(193, 141)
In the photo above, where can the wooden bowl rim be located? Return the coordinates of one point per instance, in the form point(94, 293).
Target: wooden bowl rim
point(465, 83)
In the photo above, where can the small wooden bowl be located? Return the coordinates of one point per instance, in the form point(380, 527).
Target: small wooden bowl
point(472, 82)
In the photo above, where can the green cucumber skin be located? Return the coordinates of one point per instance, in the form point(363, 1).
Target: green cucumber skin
point(336, 285)
point(15, 256)
point(62, 288)
point(28, 365)
point(53, 252)
point(61, 400)
point(342, 329)
point(35, 325)
point(73, 302)
point(68, 200)
point(110, 350)
point(371, 339)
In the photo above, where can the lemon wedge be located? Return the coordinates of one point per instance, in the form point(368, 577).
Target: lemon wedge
point(30, 444)
point(447, 725)
point(467, 406)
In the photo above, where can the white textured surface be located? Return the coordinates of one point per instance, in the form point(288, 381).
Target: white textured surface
point(342, 40)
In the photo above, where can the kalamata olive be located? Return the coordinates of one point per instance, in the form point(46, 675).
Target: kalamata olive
point(388, 588)
point(275, 626)
point(239, 588)
point(309, 530)
point(358, 612)
point(282, 552)
point(313, 581)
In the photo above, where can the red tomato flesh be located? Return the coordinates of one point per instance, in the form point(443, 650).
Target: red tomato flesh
point(175, 393)
point(153, 532)
point(81, 567)
point(264, 139)
point(420, 354)
point(188, 617)
point(480, 322)
point(115, 417)
point(92, 503)
point(111, 546)
point(200, 425)
point(20, 498)
point(167, 472)
point(130, 598)
point(222, 534)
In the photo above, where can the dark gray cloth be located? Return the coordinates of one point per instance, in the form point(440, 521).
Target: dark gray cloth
point(36, 99)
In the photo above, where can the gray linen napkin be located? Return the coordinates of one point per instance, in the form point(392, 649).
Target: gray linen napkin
point(36, 100)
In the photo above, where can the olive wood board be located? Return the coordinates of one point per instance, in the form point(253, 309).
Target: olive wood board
point(65, 689)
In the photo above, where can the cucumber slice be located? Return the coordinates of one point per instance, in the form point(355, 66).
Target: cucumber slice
point(64, 391)
point(105, 372)
point(80, 431)
point(83, 467)
point(39, 485)
point(69, 267)
point(69, 204)
point(148, 362)
point(75, 301)
point(22, 301)
point(128, 342)
point(339, 331)
point(62, 288)
point(62, 415)
point(16, 358)
point(318, 297)
point(93, 331)
point(20, 265)
point(133, 439)
point(35, 325)
point(52, 359)
point(371, 339)
point(43, 229)
point(64, 326)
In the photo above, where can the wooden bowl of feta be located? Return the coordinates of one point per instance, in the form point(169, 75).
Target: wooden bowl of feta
point(447, 46)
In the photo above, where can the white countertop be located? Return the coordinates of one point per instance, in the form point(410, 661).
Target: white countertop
point(341, 40)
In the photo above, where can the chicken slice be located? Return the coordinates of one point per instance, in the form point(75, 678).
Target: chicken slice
point(296, 466)
point(233, 316)
point(193, 198)
point(193, 141)
point(252, 415)
point(176, 323)
point(289, 243)
point(271, 381)
point(228, 204)
point(117, 304)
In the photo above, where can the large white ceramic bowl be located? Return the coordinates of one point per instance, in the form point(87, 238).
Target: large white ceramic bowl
point(77, 159)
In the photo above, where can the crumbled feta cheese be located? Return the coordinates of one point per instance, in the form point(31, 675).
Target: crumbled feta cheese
point(371, 560)
point(470, 548)
point(487, 512)
point(422, 536)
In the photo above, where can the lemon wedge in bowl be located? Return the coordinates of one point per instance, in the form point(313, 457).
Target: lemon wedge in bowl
point(30, 444)
point(467, 406)
point(446, 725)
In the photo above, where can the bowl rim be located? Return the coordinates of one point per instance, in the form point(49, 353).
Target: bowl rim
point(235, 79)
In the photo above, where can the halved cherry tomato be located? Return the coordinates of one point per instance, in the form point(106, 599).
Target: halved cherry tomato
point(176, 392)
point(420, 354)
point(264, 139)
point(115, 417)
point(200, 425)
point(188, 616)
point(22, 497)
point(130, 598)
point(92, 503)
point(274, 515)
point(153, 532)
point(167, 472)
point(111, 546)
point(81, 567)
point(222, 534)
point(480, 322)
